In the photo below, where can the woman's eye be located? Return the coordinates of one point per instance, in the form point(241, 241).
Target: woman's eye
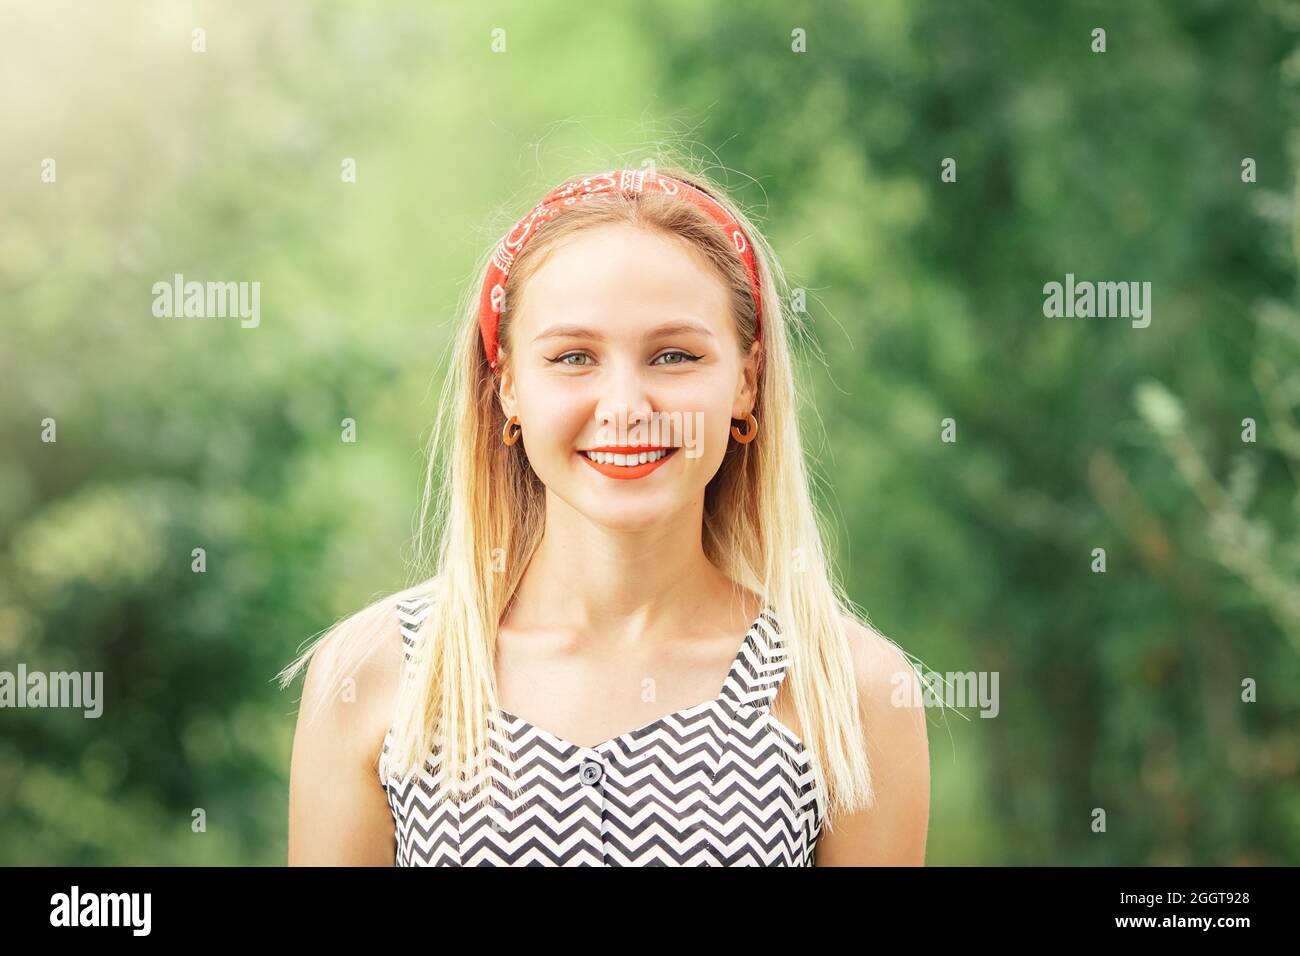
point(569, 355)
point(686, 357)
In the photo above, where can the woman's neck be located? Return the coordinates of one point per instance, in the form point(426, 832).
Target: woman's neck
point(587, 577)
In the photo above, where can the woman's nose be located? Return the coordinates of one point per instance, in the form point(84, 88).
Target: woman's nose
point(625, 396)
point(615, 414)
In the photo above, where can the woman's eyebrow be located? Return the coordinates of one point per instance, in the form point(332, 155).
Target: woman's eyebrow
point(681, 328)
point(583, 332)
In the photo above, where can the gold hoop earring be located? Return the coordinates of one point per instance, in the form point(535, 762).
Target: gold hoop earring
point(750, 434)
point(508, 438)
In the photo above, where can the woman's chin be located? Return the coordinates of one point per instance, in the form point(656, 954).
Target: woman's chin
point(622, 516)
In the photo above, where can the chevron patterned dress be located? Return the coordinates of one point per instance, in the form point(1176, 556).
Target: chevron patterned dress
point(723, 783)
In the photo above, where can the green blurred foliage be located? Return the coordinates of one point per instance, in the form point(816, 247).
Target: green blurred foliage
point(1120, 690)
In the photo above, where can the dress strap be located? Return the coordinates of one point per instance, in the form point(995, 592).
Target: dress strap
point(410, 615)
point(760, 666)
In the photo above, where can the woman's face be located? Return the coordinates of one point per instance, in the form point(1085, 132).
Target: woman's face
point(624, 340)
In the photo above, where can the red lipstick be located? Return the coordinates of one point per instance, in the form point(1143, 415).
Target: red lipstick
point(639, 470)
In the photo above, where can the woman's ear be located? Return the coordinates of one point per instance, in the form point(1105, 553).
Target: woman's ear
point(750, 368)
point(505, 384)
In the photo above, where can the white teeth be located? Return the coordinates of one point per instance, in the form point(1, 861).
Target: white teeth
point(610, 458)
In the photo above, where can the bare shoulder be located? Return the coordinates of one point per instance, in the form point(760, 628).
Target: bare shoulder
point(892, 831)
point(354, 672)
point(357, 668)
point(885, 676)
point(889, 693)
point(338, 810)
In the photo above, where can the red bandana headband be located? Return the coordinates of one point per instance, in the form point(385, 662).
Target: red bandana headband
point(625, 181)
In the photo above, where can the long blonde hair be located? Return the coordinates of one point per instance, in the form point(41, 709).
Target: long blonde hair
point(482, 517)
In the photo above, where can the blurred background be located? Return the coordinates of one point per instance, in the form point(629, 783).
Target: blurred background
point(1119, 690)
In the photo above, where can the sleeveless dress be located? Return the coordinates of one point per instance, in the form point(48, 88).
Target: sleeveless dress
point(723, 783)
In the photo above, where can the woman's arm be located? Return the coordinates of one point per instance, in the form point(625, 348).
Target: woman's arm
point(892, 832)
point(338, 812)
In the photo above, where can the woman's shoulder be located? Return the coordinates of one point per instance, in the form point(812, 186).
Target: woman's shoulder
point(888, 683)
point(358, 660)
point(889, 829)
point(873, 653)
point(883, 676)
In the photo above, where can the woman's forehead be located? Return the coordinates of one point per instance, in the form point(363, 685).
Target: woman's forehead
point(624, 272)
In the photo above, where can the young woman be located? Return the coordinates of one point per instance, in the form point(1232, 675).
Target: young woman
point(628, 648)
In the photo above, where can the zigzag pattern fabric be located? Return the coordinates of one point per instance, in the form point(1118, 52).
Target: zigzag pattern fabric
point(723, 783)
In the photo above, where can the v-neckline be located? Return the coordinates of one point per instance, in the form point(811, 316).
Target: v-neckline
point(733, 673)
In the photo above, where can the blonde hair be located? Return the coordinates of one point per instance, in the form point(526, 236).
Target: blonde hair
point(482, 516)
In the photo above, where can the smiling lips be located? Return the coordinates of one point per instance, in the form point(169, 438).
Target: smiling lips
point(627, 461)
